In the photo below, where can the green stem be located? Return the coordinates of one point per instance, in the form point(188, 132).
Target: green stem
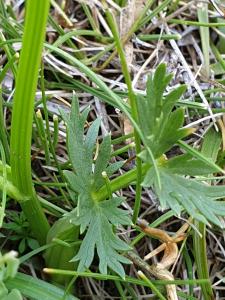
point(134, 111)
point(161, 37)
point(202, 11)
point(210, 149)
point(217, 55)
point(9, 53)
point(120, 182)
point(22, 115)
point(10, 189)
point(3, 202)
point(151, 285)
point(201, 259)
point(56, 131)
point(9, 65)
point(41, 131)
point(128, 279)
point(3, 132)
point(195, 23)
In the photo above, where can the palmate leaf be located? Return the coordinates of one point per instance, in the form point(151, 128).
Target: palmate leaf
point(186, 164)
point(158, 122)
point(179, 193)
point(97, 220)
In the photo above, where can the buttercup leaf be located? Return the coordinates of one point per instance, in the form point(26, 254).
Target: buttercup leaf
point(197, 198)
point(159, 123)
point(97, 220)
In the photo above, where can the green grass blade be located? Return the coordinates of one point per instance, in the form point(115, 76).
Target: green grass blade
point(210, 148)
point(202, 11)
point(37, 289)
point(134, 111)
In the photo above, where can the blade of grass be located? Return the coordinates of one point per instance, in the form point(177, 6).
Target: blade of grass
point(129, 279)
point(10, 53)
point(133, 28)
point(42, 134)
point(202, 10)
point(218, 55)
point(195, 23)
point(37, 289)
point(9, 65)
point(210, 148)
point(3, 202)
point(3, 132)
point(55, 25)
point(134, 111)
point(161, 37)
point(189, 266)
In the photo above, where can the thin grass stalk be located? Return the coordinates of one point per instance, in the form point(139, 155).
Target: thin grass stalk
point(133, 28)
point(3, 202)
point(210, 148)
point(128, 279)
point(195, 23)
point(47, 134)
point(41, 132)
point(22, 115)
point(10, 56)
point(3, 132)
point(56, 131)
point(8, 65)
point(201, 259)
point(202, 11)
point(134, 112)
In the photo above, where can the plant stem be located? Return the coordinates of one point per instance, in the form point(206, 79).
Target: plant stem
point(134, 111)
point(201, 259)
point(128, 279)
point(120, 182)
point(133, 28)
point(22, 115)
point(195, 23)
point(3, 132)
point(210, 149)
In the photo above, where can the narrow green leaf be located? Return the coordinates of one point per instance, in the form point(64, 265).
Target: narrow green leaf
point(37, 289)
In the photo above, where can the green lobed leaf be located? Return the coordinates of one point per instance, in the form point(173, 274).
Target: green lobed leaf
point(99, 218)
point(196, 198)
point(187, 165)
point(158, 121)
point(80, 149)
